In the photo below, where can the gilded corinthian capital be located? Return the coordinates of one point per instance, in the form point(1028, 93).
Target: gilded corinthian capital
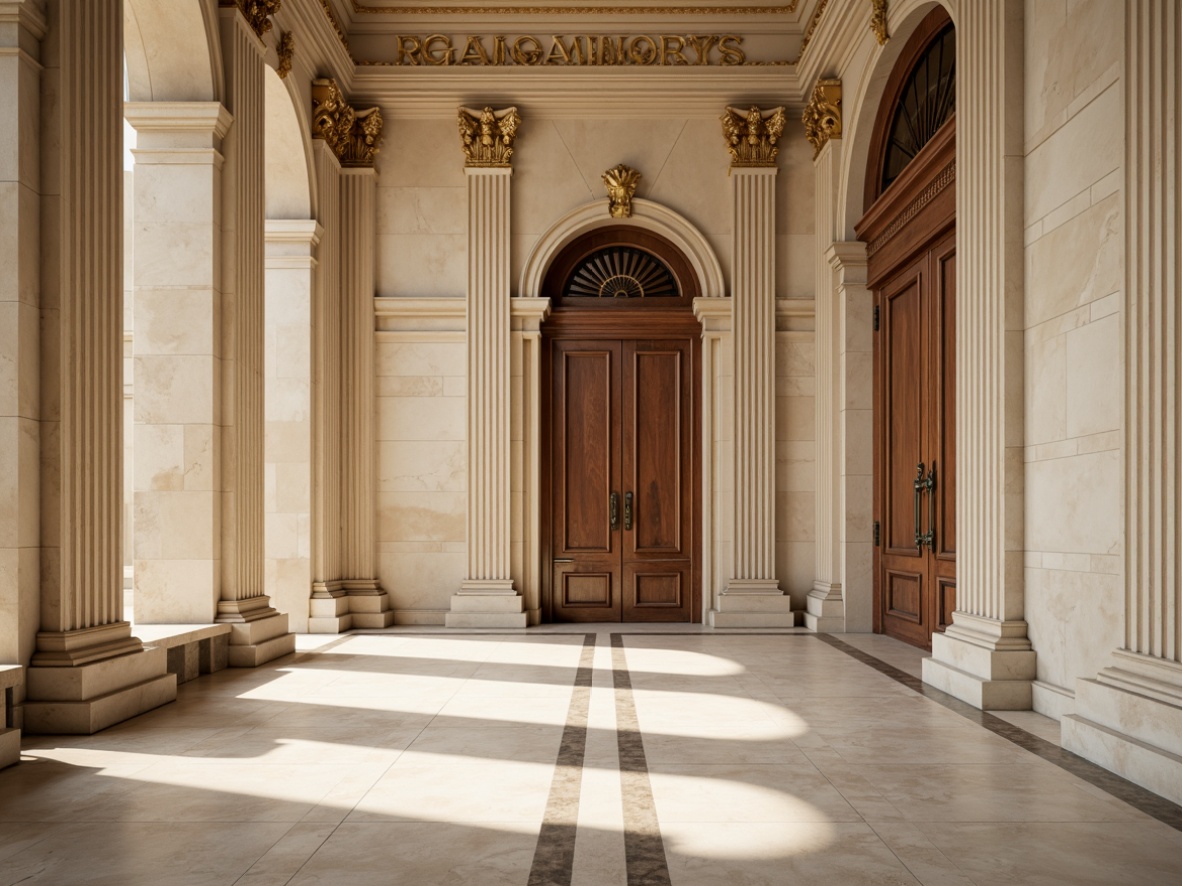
point(751, 135)
point(487, 136)
point(256, 12)
point(354, 136)
point(822, 117)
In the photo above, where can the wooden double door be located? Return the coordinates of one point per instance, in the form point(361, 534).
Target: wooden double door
point(915, 453)
point(622, 456)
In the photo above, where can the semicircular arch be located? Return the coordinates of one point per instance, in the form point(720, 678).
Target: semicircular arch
point(647, 215)
point(171, 51)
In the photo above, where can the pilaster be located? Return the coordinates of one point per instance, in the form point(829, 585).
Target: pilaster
point(752, 597)
point(487, 597)
point(368, 603)
point(88, 672)
point(985, 657)
point(178, 359)
point(825, 606)
point(718, 424)
point(292, 247)
point(1129, 717)
point(259, 633)
point(329, 606)
point(525, 318)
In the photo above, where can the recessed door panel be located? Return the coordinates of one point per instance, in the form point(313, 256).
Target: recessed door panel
point(622, 468)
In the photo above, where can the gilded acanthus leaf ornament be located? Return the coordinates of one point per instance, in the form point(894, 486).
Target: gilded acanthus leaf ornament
point(286, 51)
point(621, 184)
point(256, 12)
point(354, 136)
point(487, 136)
point(751, 135)
point(878, 21)
point(822, 116)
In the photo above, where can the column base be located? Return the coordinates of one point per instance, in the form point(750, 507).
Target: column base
point(1129, 720)
point(83, 699)
point(487, 603)
point(984, 662)
point(826, 609)
point(328, 610)
point(369, 605)
point(258, 632)
point(753, 603)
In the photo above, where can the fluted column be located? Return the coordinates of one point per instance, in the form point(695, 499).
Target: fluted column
point(984, 657)
point(20, 411)
point(487, 597)
point(368, 603)
point(752, 596)
point(1129, 718)
point(88, 671)
point(259, 633)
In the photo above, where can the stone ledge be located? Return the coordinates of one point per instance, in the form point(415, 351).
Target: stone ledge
point(10, 738)
point(192, 650)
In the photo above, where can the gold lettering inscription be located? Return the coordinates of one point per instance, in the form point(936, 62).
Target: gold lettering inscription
point(442, 55)
point(667, 50)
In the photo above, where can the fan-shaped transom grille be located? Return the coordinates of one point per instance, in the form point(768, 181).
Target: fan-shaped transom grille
point(621, 272)
point(927, 101)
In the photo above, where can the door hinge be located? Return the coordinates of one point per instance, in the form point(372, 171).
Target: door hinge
point(876, 318)
point(877, 533)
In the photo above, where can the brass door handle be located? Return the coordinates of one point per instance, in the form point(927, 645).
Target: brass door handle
point(627, 510)
point(613, 507)
point(925, 482)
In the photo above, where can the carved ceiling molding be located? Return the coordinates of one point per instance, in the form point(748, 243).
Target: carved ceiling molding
point(822, 116)
point(878, 21)
point(256, 12)
point(361, 9)
point(751, 136)
point(336, 25)
point(286, 52)
point(487, 136)
point(354, 136)
point(621, 182)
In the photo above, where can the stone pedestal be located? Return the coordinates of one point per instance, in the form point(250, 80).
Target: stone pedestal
point(11, 676)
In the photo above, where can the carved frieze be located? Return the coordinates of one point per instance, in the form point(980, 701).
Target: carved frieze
point(256, 12)
point(354, 136)
point(286, 50)
point(487, 136)
point(822, 116)
point(878, 21)
point(621, 184)
point(751, 135)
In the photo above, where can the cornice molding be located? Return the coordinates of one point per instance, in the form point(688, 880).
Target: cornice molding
point(605, 9)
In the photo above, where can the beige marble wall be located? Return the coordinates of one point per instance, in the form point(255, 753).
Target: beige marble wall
point(1074, 240)
point(422, 463)
point(422, 258)
point(796, 481)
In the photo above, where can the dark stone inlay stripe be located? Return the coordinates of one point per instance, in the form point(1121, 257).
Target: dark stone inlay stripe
point(1136, 796)
point(554, 856)
point(644, 849)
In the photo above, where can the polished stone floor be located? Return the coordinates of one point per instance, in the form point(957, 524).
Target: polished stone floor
point(588, 756)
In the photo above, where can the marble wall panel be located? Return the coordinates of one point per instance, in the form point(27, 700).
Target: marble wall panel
point(1073, 345)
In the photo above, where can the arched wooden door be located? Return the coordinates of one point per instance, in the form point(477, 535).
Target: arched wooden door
point(621, 418)
point(910, 231)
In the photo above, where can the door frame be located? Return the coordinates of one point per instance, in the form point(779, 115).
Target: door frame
point(624, 322)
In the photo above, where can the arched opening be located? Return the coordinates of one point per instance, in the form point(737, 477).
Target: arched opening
point(621, 478)
point(910, 231)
